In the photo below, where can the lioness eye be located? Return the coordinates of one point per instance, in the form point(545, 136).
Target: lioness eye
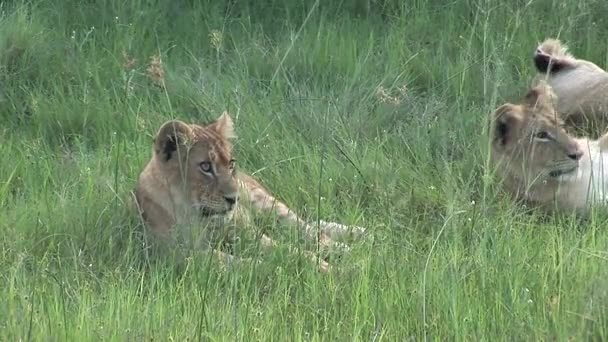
point(542, 135)
point(232, 163)
point(205, 166)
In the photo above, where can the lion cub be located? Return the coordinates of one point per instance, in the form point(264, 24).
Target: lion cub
point(580, 85)
point(191, 184)
point(540, 163)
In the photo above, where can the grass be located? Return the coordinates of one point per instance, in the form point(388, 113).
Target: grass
point(447, 257)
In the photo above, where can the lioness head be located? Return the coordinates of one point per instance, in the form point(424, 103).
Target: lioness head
point(530, 140)
point(197, 161)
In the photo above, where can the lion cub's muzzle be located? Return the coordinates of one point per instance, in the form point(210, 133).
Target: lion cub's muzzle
point(230, 202)
point(562, 172)
point(568, 166)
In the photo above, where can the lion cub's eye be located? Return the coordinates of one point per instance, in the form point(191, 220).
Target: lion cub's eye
point(232, 163)
point(205, 167)
point(542, 135)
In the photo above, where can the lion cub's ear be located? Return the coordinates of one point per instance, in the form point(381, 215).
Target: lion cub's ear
point(506, 120)
point(541, 97)
point(224, 126)
point(171, 135)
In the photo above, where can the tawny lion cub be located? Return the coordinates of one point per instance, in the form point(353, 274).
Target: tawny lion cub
point(580, 85)
point(192, 181)
point(540, 163)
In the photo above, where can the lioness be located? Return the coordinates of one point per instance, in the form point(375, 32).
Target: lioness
point(192, 181)
point(580, 85)
point(542, 164)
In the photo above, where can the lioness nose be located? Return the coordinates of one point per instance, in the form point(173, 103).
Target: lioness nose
point(231, 199)
point(576, 155)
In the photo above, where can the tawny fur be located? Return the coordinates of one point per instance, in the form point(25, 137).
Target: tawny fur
point(580, 85)
point(540, 163)
point(191, 189)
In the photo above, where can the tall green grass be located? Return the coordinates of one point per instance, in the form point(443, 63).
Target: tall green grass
point(446, 258)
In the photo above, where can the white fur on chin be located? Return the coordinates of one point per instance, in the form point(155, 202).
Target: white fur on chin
point(588, 186)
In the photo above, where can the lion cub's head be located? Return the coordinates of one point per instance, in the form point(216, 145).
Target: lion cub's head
point(197, 161)
point(529, 139)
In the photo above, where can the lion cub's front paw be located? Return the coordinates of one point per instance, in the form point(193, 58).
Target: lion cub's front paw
point(335, 229)
point(332, 231)
point(323, 265)
point(229, 261)
point(357, 231)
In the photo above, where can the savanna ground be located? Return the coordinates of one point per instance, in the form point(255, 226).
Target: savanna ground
point(365, 112)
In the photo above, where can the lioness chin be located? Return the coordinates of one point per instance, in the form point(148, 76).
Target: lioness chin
point(580, 85)
point(540, 163)
point(191, 184)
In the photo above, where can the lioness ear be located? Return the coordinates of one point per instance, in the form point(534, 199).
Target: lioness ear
point(505, 121)
point(551, 56)
point(170, 136)
point(225, 126)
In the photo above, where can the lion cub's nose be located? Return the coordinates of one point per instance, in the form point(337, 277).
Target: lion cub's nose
point(576, 155)
point(231, 199)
